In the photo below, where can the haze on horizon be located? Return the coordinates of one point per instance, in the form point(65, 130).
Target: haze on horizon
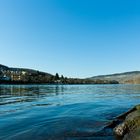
point(76, 38)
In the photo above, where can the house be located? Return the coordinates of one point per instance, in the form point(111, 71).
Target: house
point(5, 78)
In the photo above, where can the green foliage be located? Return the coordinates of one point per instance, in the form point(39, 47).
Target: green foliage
point(62, 77)
point(0, 73)
point(57, 76)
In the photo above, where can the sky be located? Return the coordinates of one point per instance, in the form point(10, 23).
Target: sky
point(76, 38)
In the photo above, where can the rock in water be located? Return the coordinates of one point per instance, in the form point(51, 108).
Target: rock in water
point(120, 130)
point(130, 128)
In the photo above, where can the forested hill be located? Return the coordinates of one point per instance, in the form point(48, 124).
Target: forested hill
point(21, 75)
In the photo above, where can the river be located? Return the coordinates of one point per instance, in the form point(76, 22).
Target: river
point(62, 112)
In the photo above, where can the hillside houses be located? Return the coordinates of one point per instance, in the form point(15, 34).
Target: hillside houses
point(23, 75)
point(12, 75)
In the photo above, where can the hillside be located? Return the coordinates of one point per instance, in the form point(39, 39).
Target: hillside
point(123, 78)
point(23, 75)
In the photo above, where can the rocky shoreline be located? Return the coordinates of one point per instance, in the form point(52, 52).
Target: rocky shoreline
point(127, 125)
point(124, 127)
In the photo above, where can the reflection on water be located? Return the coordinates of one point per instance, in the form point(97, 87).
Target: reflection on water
point(17, 90)
point(20, 93)
point(62, 111)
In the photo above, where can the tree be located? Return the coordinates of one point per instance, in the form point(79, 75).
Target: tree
point(0, 73)
point(62, 77)
point(57, 76)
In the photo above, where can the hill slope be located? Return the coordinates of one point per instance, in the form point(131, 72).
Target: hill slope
point(23, 75)
point(123, 78)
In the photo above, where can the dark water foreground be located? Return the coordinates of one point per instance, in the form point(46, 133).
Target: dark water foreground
point(63, 112)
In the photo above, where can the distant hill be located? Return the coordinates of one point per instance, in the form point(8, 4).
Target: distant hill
point(31, 71)
point(2, 67)
point(24, 75)
point(29, 76)
point(123, 78)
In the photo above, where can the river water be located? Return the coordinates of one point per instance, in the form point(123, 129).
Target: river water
point(62, 112)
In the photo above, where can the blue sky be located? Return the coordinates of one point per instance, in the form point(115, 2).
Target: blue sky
point(77, 38)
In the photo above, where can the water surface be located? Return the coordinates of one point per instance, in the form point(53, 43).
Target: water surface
point(62, 112)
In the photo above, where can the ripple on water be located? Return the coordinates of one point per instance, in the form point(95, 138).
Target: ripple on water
point(62, 111)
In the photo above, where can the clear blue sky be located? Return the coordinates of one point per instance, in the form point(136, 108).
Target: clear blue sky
point(77, 38)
